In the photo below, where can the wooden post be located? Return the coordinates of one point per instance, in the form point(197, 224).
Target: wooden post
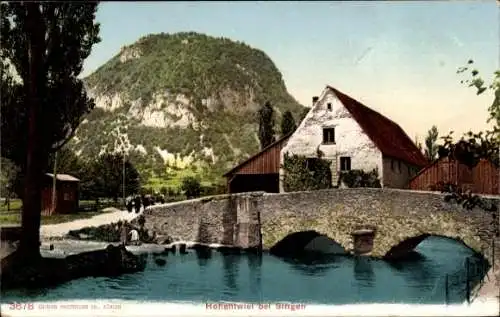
point(467, 284)
point(446, 295)
point(123, 170)
point(54, 184)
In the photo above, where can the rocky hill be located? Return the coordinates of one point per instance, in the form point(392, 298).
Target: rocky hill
point(181, 104)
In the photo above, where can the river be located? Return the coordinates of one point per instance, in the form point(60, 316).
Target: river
point(246, 278)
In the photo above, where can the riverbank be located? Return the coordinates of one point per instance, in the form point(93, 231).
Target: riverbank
point(49, 271)
point(490, 289)
point(56, 231)
point(136, 308)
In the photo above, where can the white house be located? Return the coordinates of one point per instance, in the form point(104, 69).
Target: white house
point(353, 136)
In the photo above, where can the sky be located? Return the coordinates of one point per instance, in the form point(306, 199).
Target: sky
point(398, 58)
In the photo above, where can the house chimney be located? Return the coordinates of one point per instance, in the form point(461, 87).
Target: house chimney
point(315, 99)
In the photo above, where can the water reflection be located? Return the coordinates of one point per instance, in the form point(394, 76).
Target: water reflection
point(254, 262)
point(416, 268)
point(363, 271)
point(203, 255)
point(230, 264)
point(314, 263)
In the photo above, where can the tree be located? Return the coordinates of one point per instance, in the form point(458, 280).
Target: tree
point(8, 175)
point(304, 113)
point(478, 83)
point(42, 99)
point(191, 187)
point(431, 147)
point(287, 123)
point(419, 144)
point(105, 177)
point(266, 125)
point(67, 162)
point(473, 147)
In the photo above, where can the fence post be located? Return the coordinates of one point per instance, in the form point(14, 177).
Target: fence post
point(493, 253)
point(467, 284)
point(446, 295)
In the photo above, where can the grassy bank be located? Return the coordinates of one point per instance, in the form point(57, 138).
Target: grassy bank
point(87, 209)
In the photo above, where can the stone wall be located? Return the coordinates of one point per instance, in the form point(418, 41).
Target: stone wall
point(396, 215)
point(224, 219)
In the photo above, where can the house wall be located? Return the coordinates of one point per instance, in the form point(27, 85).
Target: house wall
point(396, 173)
point(350, 139)
point(67, 196)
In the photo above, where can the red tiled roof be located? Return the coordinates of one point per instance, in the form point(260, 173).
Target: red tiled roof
point(387, 135)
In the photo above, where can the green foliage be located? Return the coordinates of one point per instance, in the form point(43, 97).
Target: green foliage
point(103, 177)
point(67, 162)
point(191, 63)
point(233, 75)
point(419, 144)
point(266, 125)
point(42, 100)
point(303, 114)
point(287, 123)
point(61, 36)
point(471, 148)
point(191, 187)
point(304, 174)
point(8, 173)
point(360, 178)
point(431, 148)
point(479, 84)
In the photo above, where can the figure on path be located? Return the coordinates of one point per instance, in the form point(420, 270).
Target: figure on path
point(145, 201)
point(130, 204)
point(134, 237)
point(137, 204)
point(123, 233)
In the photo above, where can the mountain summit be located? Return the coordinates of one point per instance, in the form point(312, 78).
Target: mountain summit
point(180, 102)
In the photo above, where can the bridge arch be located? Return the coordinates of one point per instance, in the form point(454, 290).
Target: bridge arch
point(408, 245)
point(297, 243)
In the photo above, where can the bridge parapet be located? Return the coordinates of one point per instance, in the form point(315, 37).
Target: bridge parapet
point(400, 218)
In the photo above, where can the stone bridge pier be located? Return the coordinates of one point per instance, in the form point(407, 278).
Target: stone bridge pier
point(399, 219)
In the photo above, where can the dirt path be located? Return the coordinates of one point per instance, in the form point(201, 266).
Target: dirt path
point(60, 229)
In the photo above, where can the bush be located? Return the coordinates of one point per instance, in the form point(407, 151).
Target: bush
point(303, 174)
point(213, 190)
point(359, 178)
point(191, 187)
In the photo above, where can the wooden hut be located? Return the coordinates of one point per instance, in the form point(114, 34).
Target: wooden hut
point(481, 179)
point(66, 200)
point(259, 172)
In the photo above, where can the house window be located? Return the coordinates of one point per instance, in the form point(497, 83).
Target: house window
point(67, 196)
point(329, 106)
point(345, 163)
point(329, 136)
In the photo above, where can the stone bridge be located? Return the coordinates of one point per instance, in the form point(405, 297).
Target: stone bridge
point(400, 219)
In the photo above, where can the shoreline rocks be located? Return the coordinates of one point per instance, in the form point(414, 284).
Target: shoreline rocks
point(113, 232)
point(47, 271)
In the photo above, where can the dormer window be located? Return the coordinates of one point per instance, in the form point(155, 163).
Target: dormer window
point(329, 106)
point(328, 135)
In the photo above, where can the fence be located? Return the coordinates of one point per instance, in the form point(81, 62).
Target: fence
point(461, 283)
point(482, 179)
